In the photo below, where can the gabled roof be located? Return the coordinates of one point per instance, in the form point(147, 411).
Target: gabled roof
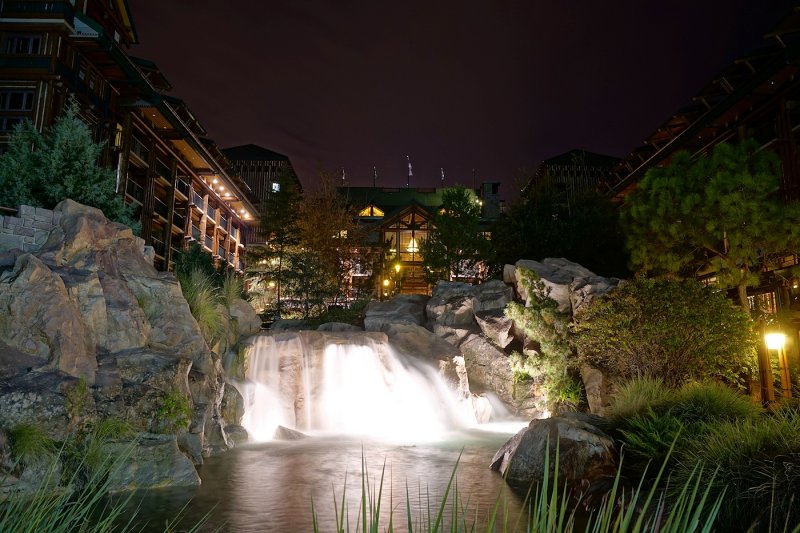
point(252, 152)
point(591, 159)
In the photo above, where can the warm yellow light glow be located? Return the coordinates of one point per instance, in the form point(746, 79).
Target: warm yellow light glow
point(397, 268)
point(222, 187)
point(271, 284)
point(412, 246)
point(386, 283)
point(775, 341)
point(214, 180)
point(263, 262)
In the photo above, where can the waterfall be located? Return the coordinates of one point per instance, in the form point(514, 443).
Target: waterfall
point(350, 383)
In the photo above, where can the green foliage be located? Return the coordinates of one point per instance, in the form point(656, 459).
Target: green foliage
point(758, 465)
point(678, 331)
point(174, 413)
point(544, 324)
point(711, 402)
point(232, 289)
point(546, 222)
point(75, 400)
point(43, 169)
point(204, 303)
point(30, 445)
point(720, 212)
point(649, 436)
point(636, 396)
point(194, 258)
point(455, 246)
point(82, 454)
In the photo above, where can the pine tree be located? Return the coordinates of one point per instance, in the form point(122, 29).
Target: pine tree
point(44, 169)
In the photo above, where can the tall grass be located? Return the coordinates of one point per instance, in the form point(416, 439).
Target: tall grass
point(636, 396)
point(232, 289)
point(204, 303)
point(549, 508)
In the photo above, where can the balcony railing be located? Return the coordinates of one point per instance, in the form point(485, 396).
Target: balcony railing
point(178, 220)
point(196, 233)
point(138, 148)
point(158, 246)
point(162, 169)
point(182, 186)
point(212, 213)
point(135, 190)
point(223, 223)
point(209, 242)
point(234, 232)
point(197, 200)
point(161, 208)
point(38, 9)
point(232, 258)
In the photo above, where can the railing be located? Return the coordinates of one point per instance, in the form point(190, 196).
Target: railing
point(197, 200)
point(24, 62)
point(235, 232)
point(212, 214)
point(241, 265)
point(158, 246)
point(138, 148)
point(162, 169)
point(135, 190)
point(34, 7)
point(223, 223)
point(178, 219)
point(195, 233)
point(231, 258)
point(182, 187)
point(209, 242)
point(161, 208)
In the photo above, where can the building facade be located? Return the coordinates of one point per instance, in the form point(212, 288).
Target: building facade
point(175, 177)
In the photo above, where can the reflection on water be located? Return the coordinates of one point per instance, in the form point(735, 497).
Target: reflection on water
point(270, 486)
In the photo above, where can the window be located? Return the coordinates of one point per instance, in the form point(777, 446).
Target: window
point(275, 186)
point(16, 99)
point(8, 123)
point(23, 43)
point(371, 211)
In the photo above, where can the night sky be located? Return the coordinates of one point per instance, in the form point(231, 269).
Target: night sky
point(494, 86)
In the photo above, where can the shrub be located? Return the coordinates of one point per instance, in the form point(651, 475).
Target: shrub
point(231, 289)
point(649, 436)
point(711, 402)
point(636, 397)
point(30, 445)
point(75, 400)
point(174, 412)
point(547, 327)
point(677, 330)
point(204, 303)
point(758, 461)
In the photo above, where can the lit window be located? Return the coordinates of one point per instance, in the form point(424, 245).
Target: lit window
point(275, 186)
point(371, 211)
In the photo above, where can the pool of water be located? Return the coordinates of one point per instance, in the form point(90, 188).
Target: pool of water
point(270, 486)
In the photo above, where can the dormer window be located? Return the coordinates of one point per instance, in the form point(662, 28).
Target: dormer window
point(371, 211)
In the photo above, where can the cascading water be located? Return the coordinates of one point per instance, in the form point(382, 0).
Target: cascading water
point(345, 383)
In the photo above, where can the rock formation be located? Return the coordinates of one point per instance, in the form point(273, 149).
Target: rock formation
point(83, 303)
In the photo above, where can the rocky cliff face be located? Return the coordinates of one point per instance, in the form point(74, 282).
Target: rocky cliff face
point(86, 304)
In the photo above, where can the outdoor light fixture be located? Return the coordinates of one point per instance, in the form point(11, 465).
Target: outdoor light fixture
point(386, 283)
point(775, 341)
point(214, 180)
point(271, 284)
point(412, 246)
point(397, 267)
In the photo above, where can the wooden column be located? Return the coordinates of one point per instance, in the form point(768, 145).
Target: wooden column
point(148, 204)
point(167, 234)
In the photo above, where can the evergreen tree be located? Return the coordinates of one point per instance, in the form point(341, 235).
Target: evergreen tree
point(719, 213)
point(455, 248)
point(44, 169)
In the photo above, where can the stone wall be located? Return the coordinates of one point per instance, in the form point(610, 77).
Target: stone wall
point(29, 230)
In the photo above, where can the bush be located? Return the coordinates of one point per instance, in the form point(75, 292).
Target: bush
point(677, 330)
point(30, 445)
point(204, 303)
point(636, 396)
point(174, 412)
point(758, 462)
point(545, 325)
point(711, 402)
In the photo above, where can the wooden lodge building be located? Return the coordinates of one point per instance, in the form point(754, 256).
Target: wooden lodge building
point(757, 97)
point(400, 218)
point(166, 167)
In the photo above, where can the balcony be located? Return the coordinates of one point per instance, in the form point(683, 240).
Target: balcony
point(158, 246)
point(232, 259)
point(140, 150)
point(24, 62)
point(235, 232)
point(134, 190)
point(196, 200)
point(223, 223)
point(163, 170)
point(209, 242)
point(178, 220)
point(28, 9)
point(182, 187)
point(212, 214)
point(195, 233)
point(161, 208)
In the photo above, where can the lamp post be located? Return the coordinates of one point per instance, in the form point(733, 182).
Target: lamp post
point(777, 341)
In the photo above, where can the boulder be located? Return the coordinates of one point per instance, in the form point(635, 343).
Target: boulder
point(247, 320)
point(451, 305)
point(496, 326)
point(491, 296)
point(586, 453)
point(488, 368)
point(290, 325)
point(153, 462)
point(284, 433)
point(37, 398)
point(236, 434)
point(402, 309)
point(569, 284)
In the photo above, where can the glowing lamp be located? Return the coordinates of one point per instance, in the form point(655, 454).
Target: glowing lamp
point(412, 246)
point(386, 283)
point(397, 267)
point(775, 341)
point(271, 284)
